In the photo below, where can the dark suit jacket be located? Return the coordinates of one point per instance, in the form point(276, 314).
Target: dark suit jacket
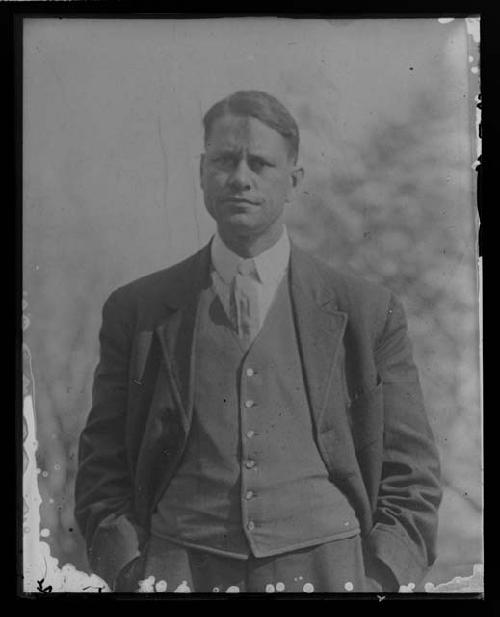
point(364, 392)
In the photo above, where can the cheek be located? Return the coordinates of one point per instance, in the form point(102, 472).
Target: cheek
point(209, 186)
point(215, 181)
point(278, 192)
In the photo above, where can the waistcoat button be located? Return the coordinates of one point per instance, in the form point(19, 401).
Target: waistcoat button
point(249, 403)
point(249, 464)
point(250, 372)
point(251, 526)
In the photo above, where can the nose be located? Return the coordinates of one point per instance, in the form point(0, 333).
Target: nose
point(240, 177)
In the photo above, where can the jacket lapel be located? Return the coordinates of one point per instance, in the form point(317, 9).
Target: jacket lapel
point(320, 327)
point(176, 334)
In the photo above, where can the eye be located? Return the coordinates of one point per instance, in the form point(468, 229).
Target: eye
point(258, 164)
point(223, 161)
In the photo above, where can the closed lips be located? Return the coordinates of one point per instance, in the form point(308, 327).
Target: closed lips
point(241, 200)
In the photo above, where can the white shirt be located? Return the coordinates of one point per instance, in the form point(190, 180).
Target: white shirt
point(270, 267)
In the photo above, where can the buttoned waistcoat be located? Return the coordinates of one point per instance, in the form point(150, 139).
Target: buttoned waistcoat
point(363, 389)
point(251, 479)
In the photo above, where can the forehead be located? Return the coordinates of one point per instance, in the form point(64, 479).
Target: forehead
point(230, 132)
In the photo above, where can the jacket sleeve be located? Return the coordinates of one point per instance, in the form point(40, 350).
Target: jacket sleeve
point(405, 522)
point(103, 487)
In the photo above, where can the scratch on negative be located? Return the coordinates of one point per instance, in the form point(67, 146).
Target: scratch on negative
point(165, 164)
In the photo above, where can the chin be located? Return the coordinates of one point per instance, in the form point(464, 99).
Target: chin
point(240, 223)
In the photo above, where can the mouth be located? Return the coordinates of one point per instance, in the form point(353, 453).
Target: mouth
point(241, 201)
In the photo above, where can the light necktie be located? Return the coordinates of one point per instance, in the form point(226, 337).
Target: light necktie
point(245, 301)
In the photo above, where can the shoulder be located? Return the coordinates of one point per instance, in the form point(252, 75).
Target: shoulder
point(347, 289)
point(367, 304)
point(163, 287)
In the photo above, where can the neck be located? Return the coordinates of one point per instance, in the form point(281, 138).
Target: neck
point(251, 246)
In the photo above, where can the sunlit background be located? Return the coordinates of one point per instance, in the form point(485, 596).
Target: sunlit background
point(112, 137)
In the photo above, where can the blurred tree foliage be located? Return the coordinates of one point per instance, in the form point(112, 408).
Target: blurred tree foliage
point(400, 212)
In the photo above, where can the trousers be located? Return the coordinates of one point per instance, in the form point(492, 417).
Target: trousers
point(336, 566)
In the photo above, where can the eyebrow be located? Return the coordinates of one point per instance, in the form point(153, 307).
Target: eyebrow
point(262, 158)
point(229, 151)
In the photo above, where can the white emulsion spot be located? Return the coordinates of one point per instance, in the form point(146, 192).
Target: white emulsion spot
point(445, 20)
point(161, 586)
point(472, 25)
point(280, 587)
point(348, 586)
point(38, 562)
point(233, 589)
point(270, 589)
point(147, 585)
point(45, 533)
point(183, 588)
point(308, 587)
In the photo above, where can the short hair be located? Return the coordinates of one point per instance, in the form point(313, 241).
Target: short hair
point(262, 106)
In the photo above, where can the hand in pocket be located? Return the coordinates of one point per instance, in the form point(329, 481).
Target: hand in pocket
point(129, 576)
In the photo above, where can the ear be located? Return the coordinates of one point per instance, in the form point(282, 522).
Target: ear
point(297, 176)
point(202, 163)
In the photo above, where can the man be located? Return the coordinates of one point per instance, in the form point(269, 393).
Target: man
point(257, 420)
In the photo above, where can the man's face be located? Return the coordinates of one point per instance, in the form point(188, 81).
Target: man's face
point(247, 176)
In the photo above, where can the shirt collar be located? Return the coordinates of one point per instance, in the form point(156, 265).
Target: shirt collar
point(270, 264)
